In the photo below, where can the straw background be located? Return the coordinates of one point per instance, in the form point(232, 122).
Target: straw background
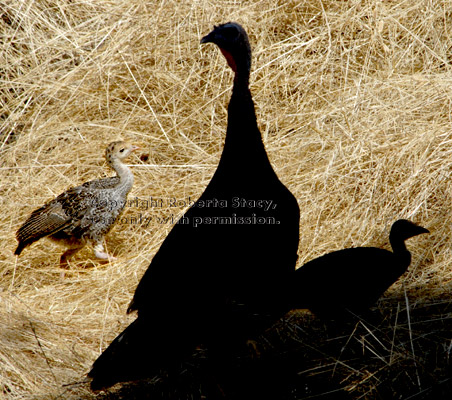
point(354, 102)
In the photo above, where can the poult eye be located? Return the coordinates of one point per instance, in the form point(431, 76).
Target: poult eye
point(121, 150)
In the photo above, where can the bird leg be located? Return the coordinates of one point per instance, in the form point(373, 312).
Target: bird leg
point(65, 256)
point(99, 252)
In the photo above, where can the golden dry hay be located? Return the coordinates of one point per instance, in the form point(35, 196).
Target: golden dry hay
point(353, 99)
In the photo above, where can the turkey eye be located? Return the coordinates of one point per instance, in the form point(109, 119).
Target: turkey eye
point(121, 150)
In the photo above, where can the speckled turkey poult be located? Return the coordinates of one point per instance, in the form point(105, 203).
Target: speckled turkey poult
point(83, 214)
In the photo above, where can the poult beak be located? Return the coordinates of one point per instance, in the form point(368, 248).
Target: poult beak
point(135, 148)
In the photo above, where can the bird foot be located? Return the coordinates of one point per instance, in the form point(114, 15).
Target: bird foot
point(63, 266)
point(104, 256)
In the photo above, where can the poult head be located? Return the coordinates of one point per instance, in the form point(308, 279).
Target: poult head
point(404, 229)
point(233, 42)
point(119, 150)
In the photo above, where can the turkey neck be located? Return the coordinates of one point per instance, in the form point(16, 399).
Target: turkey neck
point(124, 174)
point(244, 153)
point(400, 251)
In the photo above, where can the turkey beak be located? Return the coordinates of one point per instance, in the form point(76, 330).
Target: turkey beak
point(135, 148)
point(422, 230)
point(210, 38)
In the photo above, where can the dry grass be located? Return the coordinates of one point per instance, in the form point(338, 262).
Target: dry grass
point(354, 102)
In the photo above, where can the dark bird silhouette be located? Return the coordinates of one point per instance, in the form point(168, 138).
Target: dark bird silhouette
point(220, 274)
point(353, 279)
point(83, 214)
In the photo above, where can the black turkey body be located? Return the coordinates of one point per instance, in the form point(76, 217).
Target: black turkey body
point(219, 276)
